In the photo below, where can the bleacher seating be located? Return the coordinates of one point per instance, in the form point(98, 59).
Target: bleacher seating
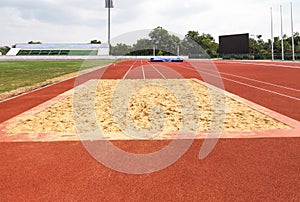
point(59, 50)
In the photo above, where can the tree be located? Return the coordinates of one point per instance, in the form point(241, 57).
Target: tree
point(121, 49)
point(207, 42)
point(142, 47)
point(162, 40)
point(175, 43)
point(159, 38)
point(34, 42)
point(4, 50)
point(262, 49)
point(297, 38)
point(160, 53)
point(253, 45)
point(297, 42)
point(190, 45)
point(201, 45)
point(142, 44)
point(196, 44)
point(95, 42)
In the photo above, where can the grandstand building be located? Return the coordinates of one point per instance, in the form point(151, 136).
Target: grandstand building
point(59, 50)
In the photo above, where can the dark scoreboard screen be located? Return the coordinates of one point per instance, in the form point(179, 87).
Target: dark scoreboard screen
point(234, 44)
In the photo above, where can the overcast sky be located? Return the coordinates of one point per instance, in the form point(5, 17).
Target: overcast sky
point(65, 21)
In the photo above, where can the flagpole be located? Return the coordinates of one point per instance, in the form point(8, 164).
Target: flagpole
point(272, 34)
point(282, 44)
point(292, 25)
point(108, 34)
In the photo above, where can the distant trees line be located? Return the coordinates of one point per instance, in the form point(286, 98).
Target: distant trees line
point(203, 45)
point(262, 49)
point(162, 42)
point(95, 41)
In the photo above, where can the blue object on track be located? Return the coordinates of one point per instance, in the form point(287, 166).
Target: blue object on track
point(157, 60)
point(176, 60)
point(161, 59)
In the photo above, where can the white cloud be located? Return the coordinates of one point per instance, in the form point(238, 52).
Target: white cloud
point(81, 21)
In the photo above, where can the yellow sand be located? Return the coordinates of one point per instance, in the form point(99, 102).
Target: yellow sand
point(151, 98)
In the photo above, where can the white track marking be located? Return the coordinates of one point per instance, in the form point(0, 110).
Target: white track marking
point(265, 64)
point(241, 83)
point(126, 74)
point(143, 70)
point(271, 84)
point(161, 74)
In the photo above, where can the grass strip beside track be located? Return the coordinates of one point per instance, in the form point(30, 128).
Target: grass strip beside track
point(17, 74)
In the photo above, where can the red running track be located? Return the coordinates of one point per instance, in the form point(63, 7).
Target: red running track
point(285, 77)
point(238, 169)
point(276, 88)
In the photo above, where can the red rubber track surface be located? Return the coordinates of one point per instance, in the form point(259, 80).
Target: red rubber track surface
point(280, 76)
point(287, 77)
point(238, 169)
point(244, 170)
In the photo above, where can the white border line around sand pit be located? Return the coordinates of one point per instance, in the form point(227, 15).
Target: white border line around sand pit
point(55, 137)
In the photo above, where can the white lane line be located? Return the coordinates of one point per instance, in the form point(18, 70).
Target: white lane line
point(241, 83)
point(161, 74)
point(143, 70)
point(126, 74)
point(264, 64)
point(258, 81)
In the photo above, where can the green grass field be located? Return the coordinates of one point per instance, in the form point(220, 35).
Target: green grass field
point(16, 74)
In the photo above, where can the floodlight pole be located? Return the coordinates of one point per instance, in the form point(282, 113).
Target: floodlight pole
point(272, 35)
point(292, 24)
point(282, 44)
point(109, 5)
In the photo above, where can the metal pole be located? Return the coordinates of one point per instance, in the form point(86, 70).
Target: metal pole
point(109, 29)
point(292, 24)
point(272, 34)
point(109, 5)
point(282, 44)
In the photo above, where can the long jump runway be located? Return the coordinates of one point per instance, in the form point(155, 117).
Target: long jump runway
point(260, 166)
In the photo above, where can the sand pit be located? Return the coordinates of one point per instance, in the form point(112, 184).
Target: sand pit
point(153, 107)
